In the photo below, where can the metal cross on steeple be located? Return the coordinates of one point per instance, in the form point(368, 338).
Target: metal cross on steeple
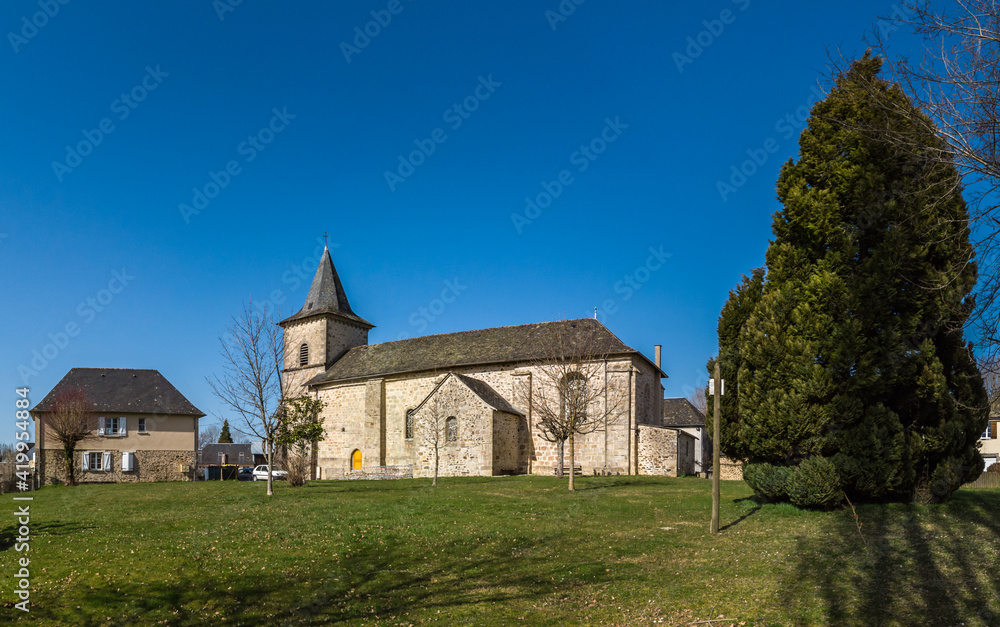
point(326, 239)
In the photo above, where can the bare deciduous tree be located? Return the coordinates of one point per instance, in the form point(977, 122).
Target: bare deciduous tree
point(573, 394)
point(8, 466)
point(208, 434)
point(434, 432)
point(697, 398)
point(71, 421)
point(251, 383)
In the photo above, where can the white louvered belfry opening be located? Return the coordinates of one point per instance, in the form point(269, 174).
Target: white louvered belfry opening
point(304, 355)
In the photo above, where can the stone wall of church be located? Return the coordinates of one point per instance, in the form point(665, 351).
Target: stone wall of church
point(327, 339)
point(403, 394)
point(507, 443)
point(310, 332)
point(342, 336)
point(471, 453)
point(350, 419)
point(373, 446)
point(343, 419)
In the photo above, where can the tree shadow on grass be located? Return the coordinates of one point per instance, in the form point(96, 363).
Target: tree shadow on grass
point(373, 581)
point(54, 528)
point(389, 485)
point(905, 565)
point(756, 508)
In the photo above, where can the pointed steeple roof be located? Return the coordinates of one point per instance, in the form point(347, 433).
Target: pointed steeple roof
point(327, 296)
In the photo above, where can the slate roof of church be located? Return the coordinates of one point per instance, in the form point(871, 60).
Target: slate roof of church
point(125, 390)
point(679, 412)
point(490, 396)
point(523, 343)
point(327, 295)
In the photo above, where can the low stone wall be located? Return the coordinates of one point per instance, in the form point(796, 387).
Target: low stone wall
point(365, 474)
point(149, 466)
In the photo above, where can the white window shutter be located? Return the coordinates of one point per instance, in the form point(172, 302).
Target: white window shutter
point(86, 460)
point(124, 461)
point(107, 462)
point(100, 426)
point(122, 430)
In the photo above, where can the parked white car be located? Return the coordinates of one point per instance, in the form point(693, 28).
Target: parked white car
point(260, 473)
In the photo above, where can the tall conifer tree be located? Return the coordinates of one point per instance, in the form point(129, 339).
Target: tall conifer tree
point(225, 437)
point(735, 313)
point(854, 356)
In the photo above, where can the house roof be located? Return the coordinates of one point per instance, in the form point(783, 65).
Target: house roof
point(522, 343)
point(679, 412)
point(327, 295)
point(125, 390)
point(210, 453)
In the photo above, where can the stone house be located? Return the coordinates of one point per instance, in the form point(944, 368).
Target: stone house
point(680, 414)
point(466, 395)
point(144, 429)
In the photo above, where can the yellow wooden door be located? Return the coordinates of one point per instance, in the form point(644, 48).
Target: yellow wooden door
point(356, 460)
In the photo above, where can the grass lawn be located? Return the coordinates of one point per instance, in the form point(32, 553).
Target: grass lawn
point(621, 550)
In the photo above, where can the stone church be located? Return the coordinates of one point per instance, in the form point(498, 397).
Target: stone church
point(466, 395)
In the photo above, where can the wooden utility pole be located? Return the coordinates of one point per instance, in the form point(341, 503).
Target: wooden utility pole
point(716, 447)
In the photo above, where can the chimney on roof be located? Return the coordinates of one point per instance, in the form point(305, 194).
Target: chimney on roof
point(657, 350)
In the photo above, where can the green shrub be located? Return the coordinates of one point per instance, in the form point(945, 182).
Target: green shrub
point(815, 484)
point(769, 482)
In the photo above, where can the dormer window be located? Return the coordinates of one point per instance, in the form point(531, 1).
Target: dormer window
point(304, 355)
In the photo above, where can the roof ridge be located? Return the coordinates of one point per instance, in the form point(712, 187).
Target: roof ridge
point(506, 326)
point(101, 368)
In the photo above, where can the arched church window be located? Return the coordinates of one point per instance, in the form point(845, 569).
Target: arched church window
point(304, 355)
point(451, 429)
point(409, 425)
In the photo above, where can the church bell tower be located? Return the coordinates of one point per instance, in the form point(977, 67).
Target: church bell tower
point(322, 331)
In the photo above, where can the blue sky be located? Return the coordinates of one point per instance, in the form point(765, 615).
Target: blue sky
point(164, 163)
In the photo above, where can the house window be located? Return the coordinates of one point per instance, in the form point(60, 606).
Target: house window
point(99, 461)
point(111, 426)
point(451, 429)
point(986, 434)
point(142, 425)
point(409, 425)
point(304, 355)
